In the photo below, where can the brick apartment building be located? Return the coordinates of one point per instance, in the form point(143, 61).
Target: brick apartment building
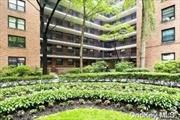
point(20, 37)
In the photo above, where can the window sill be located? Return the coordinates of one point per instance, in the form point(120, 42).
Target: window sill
point(167, 21)
point(168, 43)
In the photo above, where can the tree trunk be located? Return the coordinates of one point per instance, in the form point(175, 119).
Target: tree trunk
point(44, 43)
point(142, 41)
point(82, 39)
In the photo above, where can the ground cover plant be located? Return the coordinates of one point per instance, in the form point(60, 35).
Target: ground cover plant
point(91, 114)
point(148, 95)
point(123, 87)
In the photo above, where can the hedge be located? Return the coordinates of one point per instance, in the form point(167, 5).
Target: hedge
point(122, 75)
point(26, 78)
point(154, 99)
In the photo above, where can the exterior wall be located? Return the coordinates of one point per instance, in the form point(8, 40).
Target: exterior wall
point(32, 34)
point(154, 46)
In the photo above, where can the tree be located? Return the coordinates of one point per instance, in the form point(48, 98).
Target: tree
point(44, 27)
point(147, 26)
point(117, 32)
point(90, 9)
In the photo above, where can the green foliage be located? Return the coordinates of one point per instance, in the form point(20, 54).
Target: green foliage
point(137, 70)
point(19, 71)
point(134, 94)
point(129, 4)
point(91, 114)
point(22, 70)
point(122, 66)
point(125, 87)
point(74, 71)
point(168, 66)
point(88, 69)
point(123, 75)
point(25, 78)
point(99, 66)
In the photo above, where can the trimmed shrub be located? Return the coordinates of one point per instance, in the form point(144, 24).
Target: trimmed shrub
point(137, 70)
point(122, 66)
point(166, 77)
point(172, 66)
point(24, 78)
point(19, 71)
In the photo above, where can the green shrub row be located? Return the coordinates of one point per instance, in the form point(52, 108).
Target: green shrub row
point(25, 78)
point(123, 87)
point(123, 75)
point(172, 66)
point(154, 99)
point(137, 70)
point(19, 71)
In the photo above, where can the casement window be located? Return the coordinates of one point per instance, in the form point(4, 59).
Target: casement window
point(168, 13)
point(168, 56)
point(16, 41)
point(16, 23)
point(16, 61)
point(168, 35)
point(18, 5)
point(59, 61)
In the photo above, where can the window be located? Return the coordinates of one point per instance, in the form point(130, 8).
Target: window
point(168, 13)
point(18, 5)
point(59, 61)
point(59, 49)
point(16, 23)
point(70, 62)
point(16, 41)
point(16, 61)
point(168, 56)
point(168, 35)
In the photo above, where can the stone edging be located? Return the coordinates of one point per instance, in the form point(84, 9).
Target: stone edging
point(142, 81)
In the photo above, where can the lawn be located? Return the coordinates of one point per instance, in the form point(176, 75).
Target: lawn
point(91, 114)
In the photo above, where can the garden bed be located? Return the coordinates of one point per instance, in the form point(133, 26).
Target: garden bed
point(48, 109)
point(32, 96)
point(165, 79)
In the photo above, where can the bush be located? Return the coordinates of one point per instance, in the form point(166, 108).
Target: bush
point(19, 71)
point(137, 70)
point(168, 66)
point(100, 66)
point(22, 70)
point(24, 78)
point(166, 77)
point(74, 71)
point(88, 69)
point(122, 66)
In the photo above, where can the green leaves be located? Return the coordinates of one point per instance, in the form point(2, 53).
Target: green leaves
point(149, 95)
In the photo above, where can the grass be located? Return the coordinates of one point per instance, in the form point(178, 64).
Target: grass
point(91, 114)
